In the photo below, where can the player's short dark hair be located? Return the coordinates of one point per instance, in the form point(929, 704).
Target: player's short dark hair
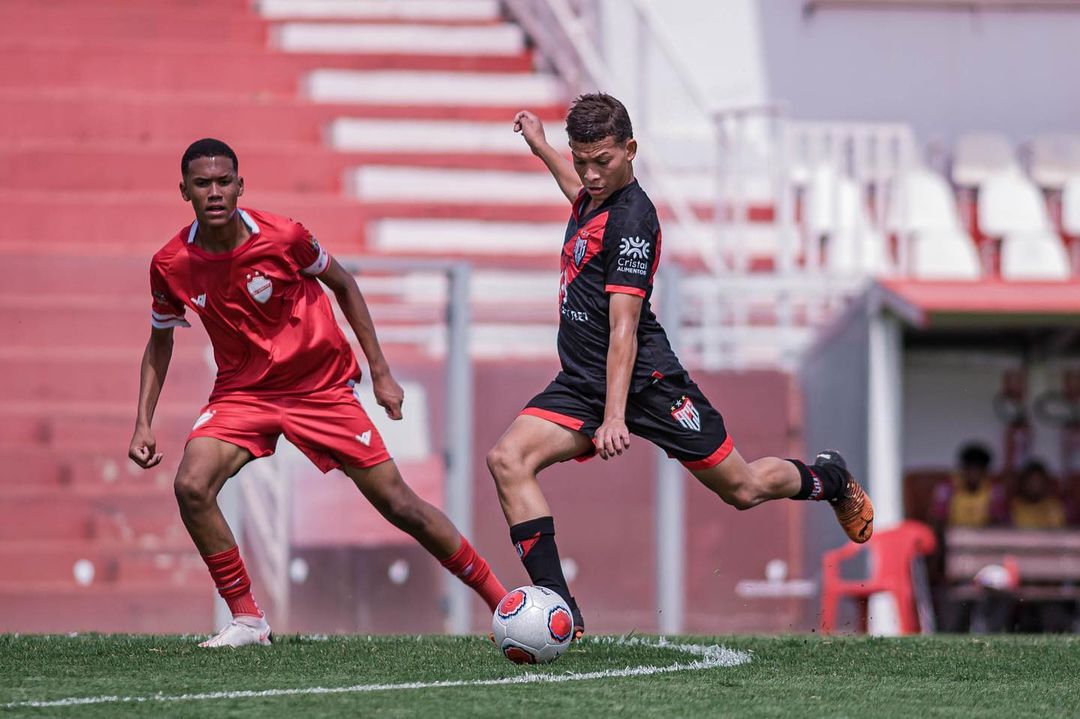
point(597, 115)
point(207, 147)
point(975, 455)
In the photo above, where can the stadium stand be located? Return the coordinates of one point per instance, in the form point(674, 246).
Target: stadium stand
point(99, 99)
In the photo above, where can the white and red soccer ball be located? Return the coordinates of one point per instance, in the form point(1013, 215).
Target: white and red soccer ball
point(532, 625)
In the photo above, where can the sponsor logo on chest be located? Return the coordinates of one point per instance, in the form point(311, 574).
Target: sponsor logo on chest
point(259, 287)
point(634, 255)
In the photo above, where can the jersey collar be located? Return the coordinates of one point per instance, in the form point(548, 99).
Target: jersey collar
point(251, 225)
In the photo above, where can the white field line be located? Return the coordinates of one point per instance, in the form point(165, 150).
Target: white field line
point(710, 657)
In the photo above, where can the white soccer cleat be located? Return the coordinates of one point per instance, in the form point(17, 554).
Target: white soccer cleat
point(241, 632)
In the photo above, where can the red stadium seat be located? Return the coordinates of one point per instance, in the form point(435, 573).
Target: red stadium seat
point(892, 553)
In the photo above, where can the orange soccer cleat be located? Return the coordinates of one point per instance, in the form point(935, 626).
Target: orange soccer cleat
point(853, 507)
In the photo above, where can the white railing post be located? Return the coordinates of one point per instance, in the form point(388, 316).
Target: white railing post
point(670, 493)
point(459, 435)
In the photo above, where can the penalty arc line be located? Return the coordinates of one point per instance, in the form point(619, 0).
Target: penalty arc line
point(712, 657)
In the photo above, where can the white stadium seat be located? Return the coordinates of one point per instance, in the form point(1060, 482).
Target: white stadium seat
point(933, 244)
point(981, 155)
point(921, 200)
point(1054, 159)
point(1009, 204)
point(944, 255)
point(1035, 256)
point(1070, 206)
point(835, 211)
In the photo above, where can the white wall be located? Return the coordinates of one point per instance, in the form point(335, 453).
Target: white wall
point(947, 402)
point(944, 72)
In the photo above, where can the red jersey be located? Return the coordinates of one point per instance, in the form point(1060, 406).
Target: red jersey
point(269, 320)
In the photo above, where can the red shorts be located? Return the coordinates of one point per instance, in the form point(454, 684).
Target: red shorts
point(329, 426)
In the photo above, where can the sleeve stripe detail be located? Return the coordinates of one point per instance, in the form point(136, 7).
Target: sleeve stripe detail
point(318, 266)
point(168, 324)
point(624, 290)
point(160, 317)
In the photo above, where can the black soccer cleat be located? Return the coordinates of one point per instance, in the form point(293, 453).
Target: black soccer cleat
point(853, 507)
point(579, 623)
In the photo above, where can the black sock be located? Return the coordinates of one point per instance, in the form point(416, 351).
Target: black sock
point(820, 482)
point(535, 544)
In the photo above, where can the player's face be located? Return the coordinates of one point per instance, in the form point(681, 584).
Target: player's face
point(212, 187)
point(604, 166)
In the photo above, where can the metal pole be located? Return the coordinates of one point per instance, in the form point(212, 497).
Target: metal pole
point(670, 494)
point(459, 435)
point(885, 413)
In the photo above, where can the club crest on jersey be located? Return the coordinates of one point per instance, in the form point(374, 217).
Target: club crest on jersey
point(685, 413)
point(580, 247)
point(260, 287)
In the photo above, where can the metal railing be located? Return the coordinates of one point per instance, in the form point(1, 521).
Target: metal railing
point(264, 512)
point(766, 168)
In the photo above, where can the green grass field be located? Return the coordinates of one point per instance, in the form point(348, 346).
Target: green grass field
point(400, 676)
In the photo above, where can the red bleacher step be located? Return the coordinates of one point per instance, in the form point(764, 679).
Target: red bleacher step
point(75, 467)
point(139, 22)
point(256, 118)
point(55, 562)
point(51, 377)
point(185, 68)
point(148, 516)
point(111, 165)
point(152, 607)
point(105, 424)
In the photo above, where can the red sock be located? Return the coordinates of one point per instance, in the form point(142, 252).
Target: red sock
point(471, 568)
point(233, 584)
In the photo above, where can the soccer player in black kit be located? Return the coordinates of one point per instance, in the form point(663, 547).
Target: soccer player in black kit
point(619, 375)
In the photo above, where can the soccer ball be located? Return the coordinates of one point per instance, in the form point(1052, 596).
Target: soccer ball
point(532, 625)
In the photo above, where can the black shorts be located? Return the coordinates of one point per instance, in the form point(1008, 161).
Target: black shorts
point(672, 413)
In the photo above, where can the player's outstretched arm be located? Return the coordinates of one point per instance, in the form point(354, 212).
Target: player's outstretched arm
point(532, 130)
point(155, 365)
point(624, 311)
point(388, 392)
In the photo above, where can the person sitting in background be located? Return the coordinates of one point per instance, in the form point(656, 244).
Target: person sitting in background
point(970, 498)
point(1036, 504)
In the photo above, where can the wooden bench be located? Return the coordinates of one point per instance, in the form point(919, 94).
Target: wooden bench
point(1048, 562)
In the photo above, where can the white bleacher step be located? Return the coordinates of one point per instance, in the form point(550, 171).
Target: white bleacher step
point(381, 10)
point(487, 341)
point(486, 287)
point(487, 40)
point(404, 87)
point(373, 183)
point(363, 135)
point(442, 237)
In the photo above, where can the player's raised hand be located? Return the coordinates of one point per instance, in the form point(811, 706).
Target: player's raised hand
point(612, 438)
point(531, 129)
point(389, 395)
point(143, 448)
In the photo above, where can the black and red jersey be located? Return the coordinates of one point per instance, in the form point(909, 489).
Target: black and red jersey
point(612, 248)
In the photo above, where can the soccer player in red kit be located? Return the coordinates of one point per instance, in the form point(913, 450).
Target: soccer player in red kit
point(619, 375)
point(284, 368)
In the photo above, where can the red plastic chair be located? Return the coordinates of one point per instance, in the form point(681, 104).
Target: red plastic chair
point(891, 554)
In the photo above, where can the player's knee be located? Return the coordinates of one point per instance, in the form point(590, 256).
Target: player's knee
point(502, 460)
point(193, 492)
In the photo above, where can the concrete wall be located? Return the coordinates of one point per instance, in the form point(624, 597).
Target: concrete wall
point(943, 72)
point(948, 401)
